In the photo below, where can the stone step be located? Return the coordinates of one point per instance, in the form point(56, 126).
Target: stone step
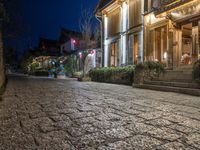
point(174, 78)
point(189, 91)
point(178, 75)
point(178, 72)
point(185, 67)
point(174, 84)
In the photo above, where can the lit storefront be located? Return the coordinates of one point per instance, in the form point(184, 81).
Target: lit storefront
point(122, 31)
point(112, 37)
point(172, 32)
point(135, 33)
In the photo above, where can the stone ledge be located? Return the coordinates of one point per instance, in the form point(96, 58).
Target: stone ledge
point(189, 91)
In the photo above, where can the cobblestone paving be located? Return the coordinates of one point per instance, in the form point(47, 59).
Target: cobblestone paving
point(47, 114)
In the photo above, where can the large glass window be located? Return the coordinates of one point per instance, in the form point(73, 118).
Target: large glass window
point(114, 22)
point(135, 13)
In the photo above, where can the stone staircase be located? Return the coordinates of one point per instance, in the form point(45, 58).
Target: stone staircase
point(178, 80)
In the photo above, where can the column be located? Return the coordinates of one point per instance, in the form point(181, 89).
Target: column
point(124, 29)
point(140, 46)
point(105, 41)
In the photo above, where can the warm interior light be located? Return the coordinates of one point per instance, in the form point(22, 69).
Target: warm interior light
point(165, 55)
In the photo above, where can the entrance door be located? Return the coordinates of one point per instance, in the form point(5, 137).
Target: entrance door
point(187, 40)
point(113, 59)
point(160, 51)
point(158, 45)
point(135, 49)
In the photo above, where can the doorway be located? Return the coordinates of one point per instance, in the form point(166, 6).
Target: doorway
point(160, 50)
point(114, 55)
point(186, 51)
point(135, 49)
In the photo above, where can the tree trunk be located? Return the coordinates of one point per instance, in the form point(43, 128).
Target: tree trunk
point(2, 68)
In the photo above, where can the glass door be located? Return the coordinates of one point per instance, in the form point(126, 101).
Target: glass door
point(114, 55)
point(161, 44)
point(135, 49)
point(187, 44)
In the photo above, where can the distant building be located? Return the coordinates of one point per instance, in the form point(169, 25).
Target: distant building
point(70, 41)
point(49, 47)
point(73, 44)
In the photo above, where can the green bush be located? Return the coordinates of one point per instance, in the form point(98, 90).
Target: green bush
point(25, 64)
point(68, 67)
point(78, 74)
point(196, 71)
point(120, 75)
point(151, 69)
point(34, 66)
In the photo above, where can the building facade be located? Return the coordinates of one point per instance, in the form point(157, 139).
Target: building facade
point(134, 31)
point(122, 31)
point(70, 41)
point(172, 31)
point(49, 47)
point(84, 55)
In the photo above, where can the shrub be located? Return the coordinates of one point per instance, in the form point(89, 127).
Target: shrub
point(148, 70)
point(25, 64)
point(121, 75)
point(34, 66)
point(68, 67)
point(196, 71)
point(78, 74)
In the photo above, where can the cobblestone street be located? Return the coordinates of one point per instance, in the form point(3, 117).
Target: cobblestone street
point(50, 114)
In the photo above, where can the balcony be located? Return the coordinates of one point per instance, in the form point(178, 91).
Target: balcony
point(166, 5)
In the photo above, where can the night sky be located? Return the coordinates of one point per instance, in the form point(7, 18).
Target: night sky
point(43, 18)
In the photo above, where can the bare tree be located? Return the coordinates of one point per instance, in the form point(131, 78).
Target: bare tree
point(85, 24)
point(97, 35)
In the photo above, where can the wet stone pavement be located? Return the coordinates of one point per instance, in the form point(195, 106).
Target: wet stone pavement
point(48, 114)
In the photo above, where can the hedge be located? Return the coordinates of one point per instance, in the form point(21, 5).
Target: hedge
point(196, 71)
point(118, 75)
point(147, 71)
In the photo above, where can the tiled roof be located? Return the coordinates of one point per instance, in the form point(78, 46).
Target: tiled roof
point(48, 43)
point(66, 35)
